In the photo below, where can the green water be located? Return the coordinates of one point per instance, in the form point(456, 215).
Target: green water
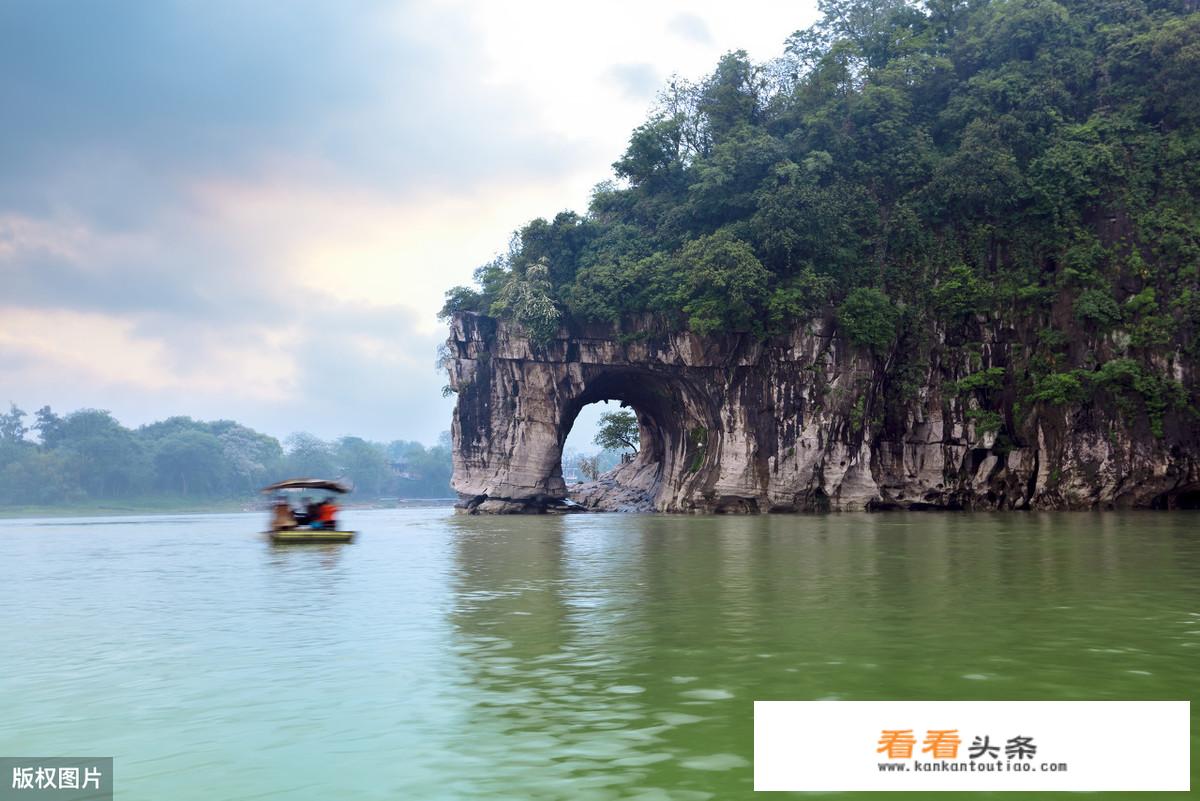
point(586, 657)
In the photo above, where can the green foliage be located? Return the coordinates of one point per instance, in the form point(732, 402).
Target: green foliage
point(1058, 389)
point(1148, 329)
point(868, 318)
point(459, 299)
point(1152, 331)
point(961, 294)
point(1052, 339)
point(419, 471)
point(526, 298)
point(12, 425)
point(1098, 307)
point(1134, 388)
point(936, 153)
point(190, 462)
point(857, 412)
point(41, 478)
point(618, 430)
point(723, 285)
point(798, 298)
point(1028, 160)
point(990, 379)
point(1143, 302)
point(366, 462)
point(48, 426)
point(309, 456)
point(986, 421)
point(89, 457)
point(655, 158)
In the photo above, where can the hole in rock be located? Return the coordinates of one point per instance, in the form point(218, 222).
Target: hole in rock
point(630, 472)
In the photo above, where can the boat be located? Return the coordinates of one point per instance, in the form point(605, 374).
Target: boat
point(310, 535)
point(303, 531)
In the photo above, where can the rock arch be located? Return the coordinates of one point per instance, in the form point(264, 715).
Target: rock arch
point(673, 422)
point(516, 407)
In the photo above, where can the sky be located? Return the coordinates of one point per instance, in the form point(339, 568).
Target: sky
point(252, 210)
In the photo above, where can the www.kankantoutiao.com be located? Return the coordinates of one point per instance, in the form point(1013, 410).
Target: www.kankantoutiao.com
point(972, 767)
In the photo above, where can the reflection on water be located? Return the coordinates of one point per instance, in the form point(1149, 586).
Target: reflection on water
point(579, 657)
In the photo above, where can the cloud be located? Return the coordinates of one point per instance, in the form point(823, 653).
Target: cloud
point(337, 370)
point(637, 81)
point(252, 210)
point(100, 349)
point(370, 370)
point(691, 28)
point(153, 92)
point(199, 199)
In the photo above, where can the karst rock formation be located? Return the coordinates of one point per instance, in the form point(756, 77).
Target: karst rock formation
point(805, 422)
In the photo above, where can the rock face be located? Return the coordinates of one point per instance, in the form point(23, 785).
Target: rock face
point(797, 423)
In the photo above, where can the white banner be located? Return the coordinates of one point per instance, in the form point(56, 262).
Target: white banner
point(1090, 746)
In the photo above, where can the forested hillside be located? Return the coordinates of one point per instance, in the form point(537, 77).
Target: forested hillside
point(87, 456)
point(914, 172)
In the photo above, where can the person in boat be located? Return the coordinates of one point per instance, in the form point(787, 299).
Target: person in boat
point(282, 517)
point(306, 514)
point(327, 515)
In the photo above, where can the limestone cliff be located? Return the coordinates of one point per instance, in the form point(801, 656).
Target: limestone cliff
point(797, 423)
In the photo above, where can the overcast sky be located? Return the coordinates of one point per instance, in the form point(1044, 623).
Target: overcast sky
point(251, 210)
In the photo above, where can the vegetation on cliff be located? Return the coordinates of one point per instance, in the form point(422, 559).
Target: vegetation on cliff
point(917, 173)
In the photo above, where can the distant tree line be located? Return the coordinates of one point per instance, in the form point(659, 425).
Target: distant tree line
point(88, 455)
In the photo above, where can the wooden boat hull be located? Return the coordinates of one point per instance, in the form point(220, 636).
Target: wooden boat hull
point(310, 535)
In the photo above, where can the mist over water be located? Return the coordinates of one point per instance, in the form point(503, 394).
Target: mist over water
point(581, 657)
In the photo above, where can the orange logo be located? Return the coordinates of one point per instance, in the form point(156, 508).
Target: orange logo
point(942, 743)
point(897, 742)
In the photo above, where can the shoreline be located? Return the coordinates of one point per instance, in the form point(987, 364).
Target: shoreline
point(124, 509)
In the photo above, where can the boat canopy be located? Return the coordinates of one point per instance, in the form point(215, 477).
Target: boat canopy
point(309, 483)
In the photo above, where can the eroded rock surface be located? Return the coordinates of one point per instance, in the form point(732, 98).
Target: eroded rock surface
point(798, 423)
point(627, 488)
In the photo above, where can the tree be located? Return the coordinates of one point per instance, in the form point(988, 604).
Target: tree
point(89, 455)
point(424, 472)
point(731, 95)
point(527, 299)
point(868, 318)
point(618, 430)
point(48, 426)
point(39, 477)
point(657, 154)
point(109, 461)
point(725, 285)
point(12, 425)
point(190, 462)
point(253, 458)
point(365, 464)
point(308, 456)
point(590, 466)
point(872, 27)
point(960, 294)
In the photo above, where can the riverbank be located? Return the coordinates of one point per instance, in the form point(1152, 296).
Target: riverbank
point(139, 506)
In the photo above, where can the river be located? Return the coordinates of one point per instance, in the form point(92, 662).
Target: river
point(581, 657)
